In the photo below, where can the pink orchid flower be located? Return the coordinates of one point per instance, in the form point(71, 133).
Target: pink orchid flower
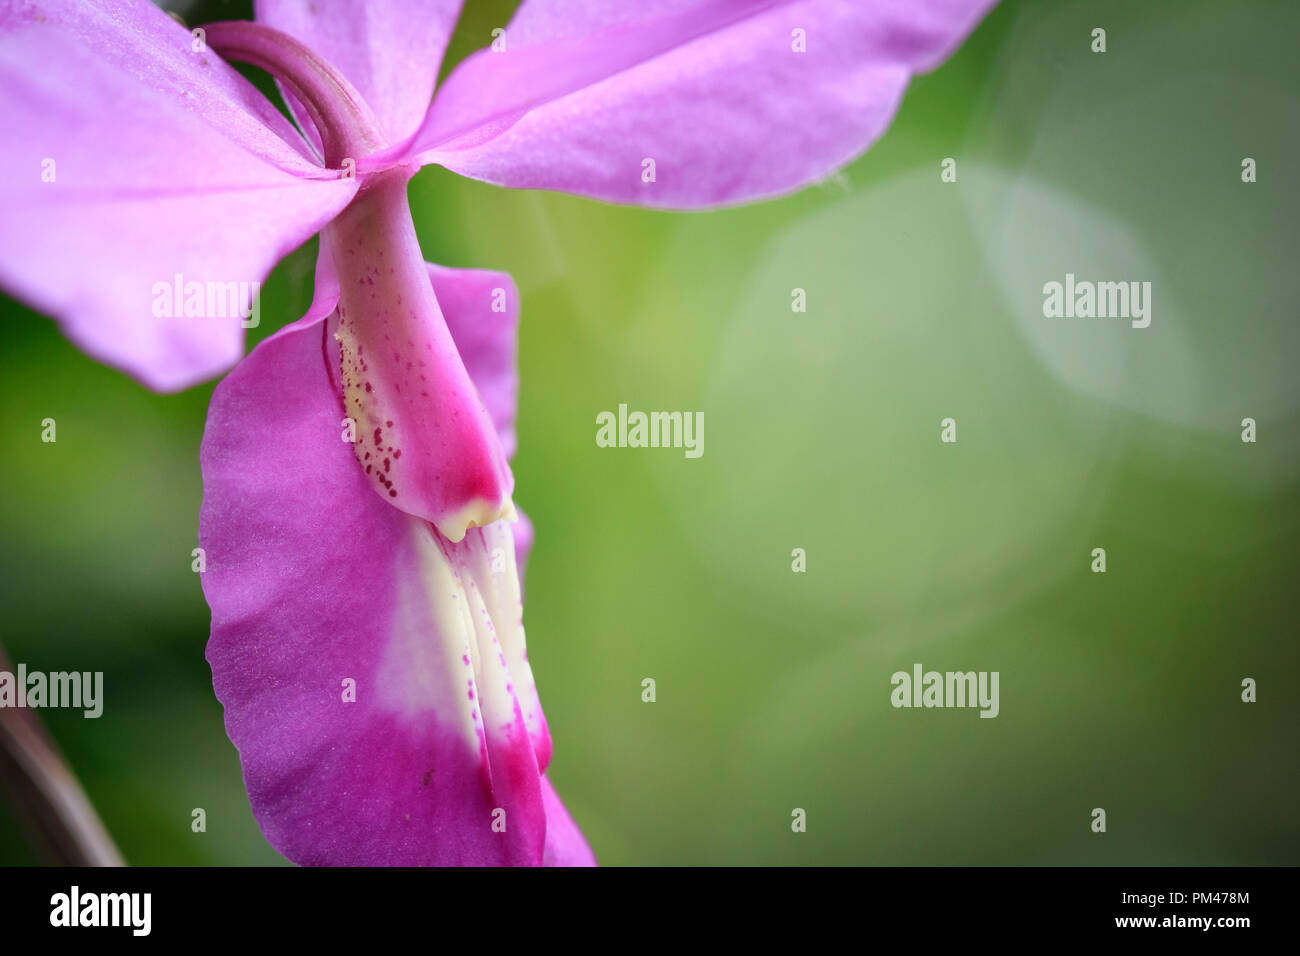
point(361, 541)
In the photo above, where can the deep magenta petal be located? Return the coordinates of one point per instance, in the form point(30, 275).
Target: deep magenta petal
point(732, 100)
point(314, 581)
point(481, 308)
point(131, 163)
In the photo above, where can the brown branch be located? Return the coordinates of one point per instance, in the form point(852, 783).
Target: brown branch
point(60, 822)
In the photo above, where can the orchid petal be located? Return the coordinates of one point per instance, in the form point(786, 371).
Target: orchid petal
point(389, 51)
point(482, 312)
point(132, 165)
point(715, 93)
point(314, 580)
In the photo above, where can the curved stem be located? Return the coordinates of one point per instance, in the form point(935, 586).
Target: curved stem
point(347, 127)
point(62, 824)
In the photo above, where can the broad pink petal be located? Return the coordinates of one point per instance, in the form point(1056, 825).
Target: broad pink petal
point(713, 91)
point(482, 312)
point(390, 51)
point(314, 580)
point(127, 160)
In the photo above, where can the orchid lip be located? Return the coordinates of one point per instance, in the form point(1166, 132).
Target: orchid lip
point(347, 126)
point(423, 437)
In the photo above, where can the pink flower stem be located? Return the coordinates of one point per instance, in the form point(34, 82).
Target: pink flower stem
point(347, 127)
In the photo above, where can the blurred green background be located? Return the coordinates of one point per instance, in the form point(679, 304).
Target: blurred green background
point(1118, 690)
